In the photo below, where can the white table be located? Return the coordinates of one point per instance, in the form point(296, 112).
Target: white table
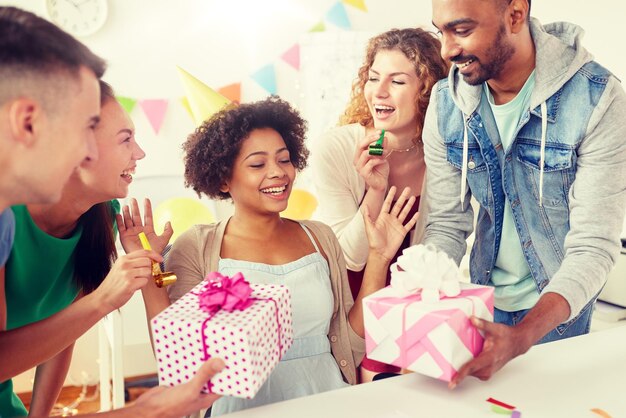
point(561, 379)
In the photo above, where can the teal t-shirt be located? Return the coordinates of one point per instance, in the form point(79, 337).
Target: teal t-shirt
point(39, 282)
point(515, 288)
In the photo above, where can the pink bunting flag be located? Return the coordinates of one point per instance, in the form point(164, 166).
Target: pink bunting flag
point(292, 56)
point(155, 111)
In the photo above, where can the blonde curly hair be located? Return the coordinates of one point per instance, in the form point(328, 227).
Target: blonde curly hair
point(420, 47)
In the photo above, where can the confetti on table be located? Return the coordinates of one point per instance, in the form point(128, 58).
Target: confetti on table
point(499, 410)
point(516, 414)
point(600, 412)
point(501, 404)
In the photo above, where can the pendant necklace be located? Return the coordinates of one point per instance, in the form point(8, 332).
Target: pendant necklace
point(401, 150)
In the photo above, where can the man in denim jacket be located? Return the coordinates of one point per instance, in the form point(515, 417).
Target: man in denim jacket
point(531, 127)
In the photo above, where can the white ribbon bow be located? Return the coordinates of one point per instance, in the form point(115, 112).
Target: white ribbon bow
point(423, 267)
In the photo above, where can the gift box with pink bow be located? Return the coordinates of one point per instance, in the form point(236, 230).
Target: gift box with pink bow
point(421, 321)
point(247, 326)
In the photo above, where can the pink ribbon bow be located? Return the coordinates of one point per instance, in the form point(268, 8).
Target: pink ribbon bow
point(223, 292)
point(228, 293)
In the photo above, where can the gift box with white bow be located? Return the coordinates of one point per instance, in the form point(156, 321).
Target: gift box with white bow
point(421, 321)
point(247, 326)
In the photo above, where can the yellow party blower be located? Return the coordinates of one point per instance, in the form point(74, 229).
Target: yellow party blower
point(160, 278)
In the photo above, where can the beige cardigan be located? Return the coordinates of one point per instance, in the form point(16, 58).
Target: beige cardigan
point(197, 251)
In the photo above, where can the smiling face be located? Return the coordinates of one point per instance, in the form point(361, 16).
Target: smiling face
point(118, 152)
point(66, 138)
point(474, 37)
point(391, 92)
point(262, 174)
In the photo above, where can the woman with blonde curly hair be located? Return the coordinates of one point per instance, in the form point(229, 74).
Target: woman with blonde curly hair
point(391, 93)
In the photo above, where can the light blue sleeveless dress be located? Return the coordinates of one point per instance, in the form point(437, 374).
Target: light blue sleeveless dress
point(308, 367)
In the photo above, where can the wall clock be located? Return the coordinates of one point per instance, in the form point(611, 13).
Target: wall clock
point(78, 17)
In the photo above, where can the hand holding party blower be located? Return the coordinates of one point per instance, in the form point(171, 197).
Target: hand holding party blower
point(377, 148)
point(160, 278)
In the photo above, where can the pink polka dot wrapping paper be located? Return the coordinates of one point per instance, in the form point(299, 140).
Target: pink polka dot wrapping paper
point(251, 342)
point(431, 338)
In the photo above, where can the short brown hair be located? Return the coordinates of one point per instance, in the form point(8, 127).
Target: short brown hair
point(420, 47)
point(32, 47)
point(106, 92)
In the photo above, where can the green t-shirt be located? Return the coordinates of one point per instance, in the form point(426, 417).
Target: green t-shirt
point(39, 282)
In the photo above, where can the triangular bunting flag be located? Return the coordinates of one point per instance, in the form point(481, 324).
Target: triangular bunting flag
point(320, 27)
point(232, 92)
point(266, 77)
point(359, 4)
point(155, 111)
point(203, 100)
point(338, 16)
point(292, 56)
point(127, 103)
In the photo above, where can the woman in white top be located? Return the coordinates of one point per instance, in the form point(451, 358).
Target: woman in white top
point(391, 93)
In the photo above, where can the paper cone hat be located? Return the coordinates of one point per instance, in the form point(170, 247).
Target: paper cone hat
point(203, 100)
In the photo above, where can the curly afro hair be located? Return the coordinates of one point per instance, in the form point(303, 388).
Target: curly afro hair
point(211, 150)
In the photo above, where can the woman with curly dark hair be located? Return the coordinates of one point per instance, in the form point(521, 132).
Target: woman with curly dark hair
point(391, 93)
point(250, 154)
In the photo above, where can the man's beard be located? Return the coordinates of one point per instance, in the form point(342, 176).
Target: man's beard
point(498, 55)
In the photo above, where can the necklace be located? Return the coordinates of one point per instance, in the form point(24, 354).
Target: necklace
point(401, 150)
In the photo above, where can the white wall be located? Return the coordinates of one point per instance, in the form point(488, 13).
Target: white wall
point(223, 42)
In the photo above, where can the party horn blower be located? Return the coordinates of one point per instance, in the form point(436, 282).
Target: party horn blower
point(160, 278)
point(377, 148)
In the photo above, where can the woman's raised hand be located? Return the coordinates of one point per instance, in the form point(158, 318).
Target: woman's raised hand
point(386, 233)
point(130, 224)
point(373, 169)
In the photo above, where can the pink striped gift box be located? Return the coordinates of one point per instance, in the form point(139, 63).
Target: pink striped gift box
point(431, 338)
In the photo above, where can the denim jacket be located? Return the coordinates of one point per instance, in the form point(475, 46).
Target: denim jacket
point(564, 174)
